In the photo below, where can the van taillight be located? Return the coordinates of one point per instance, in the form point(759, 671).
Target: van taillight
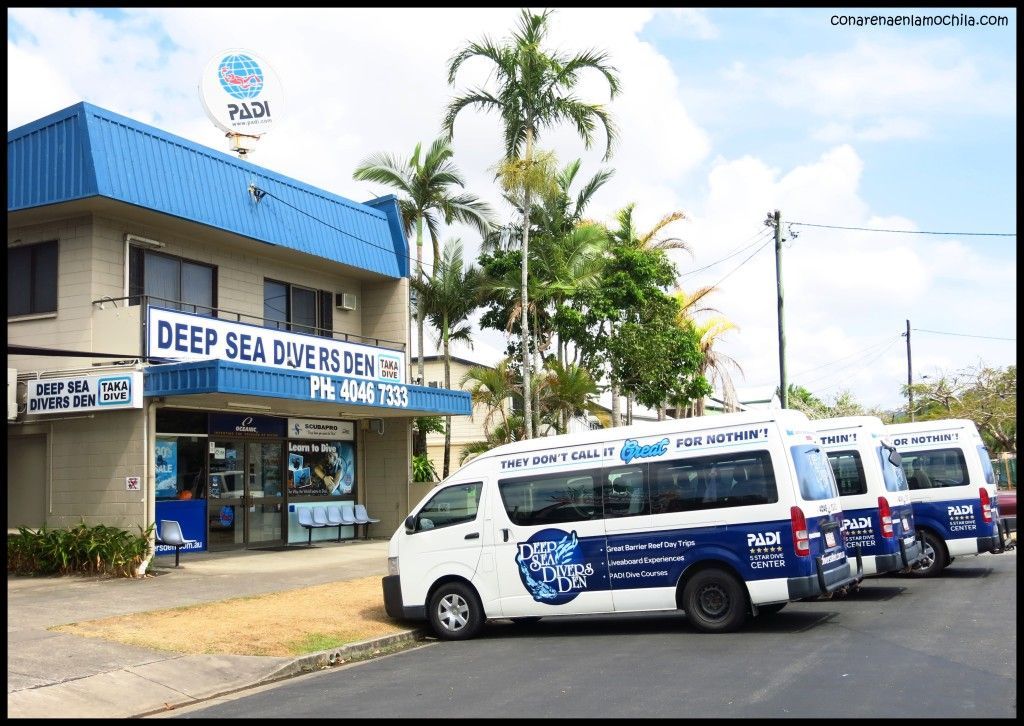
point(801, 542)
point(885, 515)
point(986, 507)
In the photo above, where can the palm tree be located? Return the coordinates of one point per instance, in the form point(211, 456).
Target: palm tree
point(427, 198)
point(628, 235)
point(448, 299)
point(534, 92)
point(568, 392)
point(714, 365)
point(491, 387)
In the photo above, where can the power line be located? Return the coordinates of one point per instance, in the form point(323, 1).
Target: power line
point(906, 231)
point(964, 335)
point(851, 355)
point(754, 237)
point(766, 243)
point(260, 193)
point(861, 367)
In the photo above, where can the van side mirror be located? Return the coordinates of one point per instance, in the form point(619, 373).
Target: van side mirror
point(410, 523)
point(894, 457)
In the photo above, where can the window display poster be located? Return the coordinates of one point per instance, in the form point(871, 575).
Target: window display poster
point(166, 452)
point(321, 468)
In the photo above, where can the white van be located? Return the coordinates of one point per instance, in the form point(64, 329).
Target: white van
point(952, 489)
point(878, 518)
point(719, 516)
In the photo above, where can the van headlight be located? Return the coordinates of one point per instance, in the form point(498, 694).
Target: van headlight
point(392, 565)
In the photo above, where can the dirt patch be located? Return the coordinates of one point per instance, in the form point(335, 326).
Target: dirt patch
point(289, 623)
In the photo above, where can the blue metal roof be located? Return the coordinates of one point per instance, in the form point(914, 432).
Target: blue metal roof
point(85, 151)
point(220, 376)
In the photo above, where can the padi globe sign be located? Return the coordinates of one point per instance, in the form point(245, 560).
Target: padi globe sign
point(241, 93)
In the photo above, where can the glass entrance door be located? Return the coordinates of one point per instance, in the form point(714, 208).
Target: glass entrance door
point(226, 495)
point(265, 493)
point(245, 504)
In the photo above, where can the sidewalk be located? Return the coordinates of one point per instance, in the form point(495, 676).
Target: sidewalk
point(57, 675)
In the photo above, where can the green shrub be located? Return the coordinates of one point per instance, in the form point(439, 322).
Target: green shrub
point(82, 550)
point(423, 468)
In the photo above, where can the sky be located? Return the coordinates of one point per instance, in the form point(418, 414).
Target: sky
point(724, 115)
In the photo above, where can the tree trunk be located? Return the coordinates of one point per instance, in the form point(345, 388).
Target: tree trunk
point(523, 317)
point(447, 385)
point(419, 311)
point(616, 406)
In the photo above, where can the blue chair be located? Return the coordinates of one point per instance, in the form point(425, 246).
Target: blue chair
point(170, 534)
point(306, 520)
point(363, 518)
point(335, 518)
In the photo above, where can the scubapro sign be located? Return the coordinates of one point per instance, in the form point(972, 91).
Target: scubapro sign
point(85, 393)
point(241, 93)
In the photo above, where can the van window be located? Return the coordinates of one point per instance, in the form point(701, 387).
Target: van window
point(986, 465)
point(708, 482)
point(849, 472)
point(895, 480)
point(935, 468)
point(625, 494)
point(813, 473)
point(551, 498)
point(452, 505)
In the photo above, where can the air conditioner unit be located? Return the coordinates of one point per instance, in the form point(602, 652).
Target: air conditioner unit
point(345, 300)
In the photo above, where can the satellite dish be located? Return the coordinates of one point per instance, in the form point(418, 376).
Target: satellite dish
point(242, 96)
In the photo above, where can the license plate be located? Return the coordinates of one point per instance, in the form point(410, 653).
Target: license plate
point(906, 524)
point(830, 539)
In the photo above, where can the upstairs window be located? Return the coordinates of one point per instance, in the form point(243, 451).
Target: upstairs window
point(172, 282)
point(296, 308)
point(32, 279)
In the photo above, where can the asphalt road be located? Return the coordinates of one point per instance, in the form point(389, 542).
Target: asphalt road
point(938, 648)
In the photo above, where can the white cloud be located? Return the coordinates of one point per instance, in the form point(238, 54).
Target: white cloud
point(360, 80)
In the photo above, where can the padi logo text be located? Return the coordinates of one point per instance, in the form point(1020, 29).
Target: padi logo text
point(857, 523)
point(763, 539)
point(245, 111)
point(960, 510)
point(633, 450)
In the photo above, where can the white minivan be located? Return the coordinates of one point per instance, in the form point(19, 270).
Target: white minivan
point(952, 489)
point(878, 518)
point(722, 517)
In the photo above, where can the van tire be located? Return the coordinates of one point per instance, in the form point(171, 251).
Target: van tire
point(455, 612)
point(940, 560)
point(714, 602)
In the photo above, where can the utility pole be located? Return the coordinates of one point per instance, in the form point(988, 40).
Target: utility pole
point(775, 219)
point(910, 376)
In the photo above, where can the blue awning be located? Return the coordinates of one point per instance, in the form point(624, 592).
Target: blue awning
point(220, 376)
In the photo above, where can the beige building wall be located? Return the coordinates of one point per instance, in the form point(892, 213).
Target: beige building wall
point(465, 429)
point(90, 457)
point(386, 462)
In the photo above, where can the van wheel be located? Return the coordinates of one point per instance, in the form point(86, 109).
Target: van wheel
point(714, 602)
point(526, 620)
point(935, 551)
point(771, 609)
point(455, 612)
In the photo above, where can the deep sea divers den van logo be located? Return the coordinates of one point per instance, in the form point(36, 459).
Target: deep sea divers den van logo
point(552, 567)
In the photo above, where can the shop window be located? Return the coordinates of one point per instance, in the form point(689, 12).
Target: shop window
point(172, 282)
point(321, 469)
point(32, 279)
point(180, 467)
point(296, 308)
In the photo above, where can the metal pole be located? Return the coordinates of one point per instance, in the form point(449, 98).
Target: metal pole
point(783, 385)
point(910, 377)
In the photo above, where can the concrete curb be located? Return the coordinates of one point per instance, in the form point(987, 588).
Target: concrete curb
point(301, 665)
point(340, 656)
